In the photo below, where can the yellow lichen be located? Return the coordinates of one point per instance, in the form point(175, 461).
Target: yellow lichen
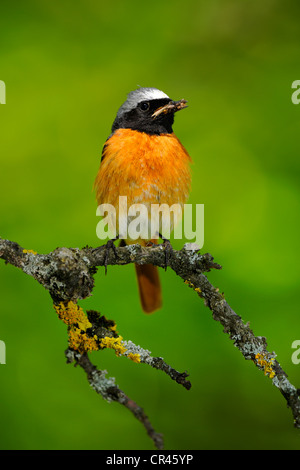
point(72, 313)
point(73, 316)
point(134, 357)
point(113, 343)
point(192, 286)
point(266, 364)
point(81, 341)
point(119, 348)
point(30, 251)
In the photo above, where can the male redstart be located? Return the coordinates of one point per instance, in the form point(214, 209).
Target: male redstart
point(144, 160)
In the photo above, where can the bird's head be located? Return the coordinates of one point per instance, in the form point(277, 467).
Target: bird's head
point(148, 110)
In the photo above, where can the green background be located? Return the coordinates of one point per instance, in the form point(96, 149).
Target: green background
point(68, 67)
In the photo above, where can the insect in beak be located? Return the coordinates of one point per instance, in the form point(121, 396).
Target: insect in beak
point(171, 107)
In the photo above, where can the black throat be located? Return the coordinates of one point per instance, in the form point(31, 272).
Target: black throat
point(142, 121)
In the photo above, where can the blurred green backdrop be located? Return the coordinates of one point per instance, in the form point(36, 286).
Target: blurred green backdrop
point(67, 67)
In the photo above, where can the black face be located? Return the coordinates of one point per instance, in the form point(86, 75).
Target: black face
point(140, 118)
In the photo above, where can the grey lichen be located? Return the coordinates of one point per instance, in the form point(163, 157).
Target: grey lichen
point(131, 348)
point(250, 349)
point(101, 384)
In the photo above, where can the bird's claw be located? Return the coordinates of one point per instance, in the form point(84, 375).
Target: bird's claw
point(168, 251)
point(109, 246)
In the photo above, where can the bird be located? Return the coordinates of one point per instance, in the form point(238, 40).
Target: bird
point(144, 160)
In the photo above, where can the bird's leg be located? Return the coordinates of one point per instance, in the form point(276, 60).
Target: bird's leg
point(168, 249)
point(110, 245)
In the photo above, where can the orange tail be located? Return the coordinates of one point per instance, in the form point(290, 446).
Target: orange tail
point(149, 287)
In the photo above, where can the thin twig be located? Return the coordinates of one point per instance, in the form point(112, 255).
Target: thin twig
point(107, 388)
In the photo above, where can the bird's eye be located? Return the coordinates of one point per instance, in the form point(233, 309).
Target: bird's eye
point(145, 106)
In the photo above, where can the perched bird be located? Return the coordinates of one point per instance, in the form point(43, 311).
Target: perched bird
point(144, 160)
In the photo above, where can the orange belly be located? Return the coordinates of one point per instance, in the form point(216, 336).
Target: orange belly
point(148, 169)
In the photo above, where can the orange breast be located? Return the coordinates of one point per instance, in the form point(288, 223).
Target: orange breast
point(149, 169)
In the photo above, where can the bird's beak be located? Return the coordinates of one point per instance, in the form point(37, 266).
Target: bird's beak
point(171, 107)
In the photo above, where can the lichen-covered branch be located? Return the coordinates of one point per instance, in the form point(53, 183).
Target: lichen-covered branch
point(93, 332)
point(68, 275)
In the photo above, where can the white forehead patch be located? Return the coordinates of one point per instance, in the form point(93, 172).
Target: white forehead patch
point(148, 94)
point(141, 94)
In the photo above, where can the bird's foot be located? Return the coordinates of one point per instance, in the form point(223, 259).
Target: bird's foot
point(168, 250)
point(109, 246)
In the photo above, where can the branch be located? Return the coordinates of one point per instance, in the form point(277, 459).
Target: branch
point(111, 392)
point(68, 275)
